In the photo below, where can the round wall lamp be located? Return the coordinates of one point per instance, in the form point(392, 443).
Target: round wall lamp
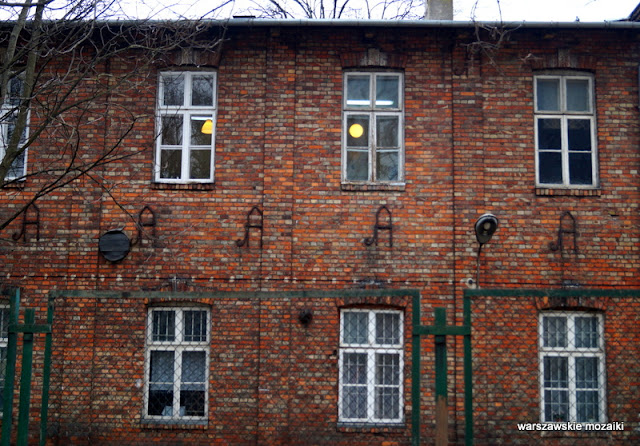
point(356, 130)
point(485, 227)
point(114, 245)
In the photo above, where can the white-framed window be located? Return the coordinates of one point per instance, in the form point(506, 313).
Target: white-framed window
point(565, 131)
point(177, 364)
point(4, 340)
point(8, 118)
point(371, 366)
point(572, 367)
point(186, 127)
point(373, 129)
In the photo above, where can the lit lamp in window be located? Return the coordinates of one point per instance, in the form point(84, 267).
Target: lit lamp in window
point(356, 130)
point(207, 127)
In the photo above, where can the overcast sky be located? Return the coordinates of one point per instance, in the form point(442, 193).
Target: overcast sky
point(464, 10)
point(488, 10)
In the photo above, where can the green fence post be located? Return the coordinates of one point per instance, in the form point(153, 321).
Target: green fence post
point(25, 380)
point(44, 410)
point(10, 370)
point(415, 373)
point(442, 406)
point(468, 373)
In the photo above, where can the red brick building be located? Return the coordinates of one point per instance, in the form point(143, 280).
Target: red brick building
point(252, 283)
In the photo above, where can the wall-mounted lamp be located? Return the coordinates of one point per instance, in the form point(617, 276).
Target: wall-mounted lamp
point(207, 127)
point(485, 227)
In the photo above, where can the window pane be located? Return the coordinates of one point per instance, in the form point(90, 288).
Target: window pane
point(17, 167)
point(587, 407)
point(357, 165)
point(579, 134)
point(200, 164)
point(387, 166)
point(358, 91)
point(355, 328)
point(4, 324)
point(549, 134)
point(170, 163)
point(578, 95)
point(354, 368)
point(554, 331)
point(548, 94)
point(358, 131)
point(195, 326)
point(556, 405)
point(354, 402)
point(161, 383)
point(16, 85)
point(197, 137)
point(387, 88)
point(387, 131)
point(580, 168)
point(193, 367)
point(171, 131)
point(164, 329)
point(202, 90)
point(586, 332)
point(387, 403)
point(387, 369)
point(550, 166)
point(3, 368)
point(387, 328)
point(556, 372)
point(173, 90)
point(587, 373)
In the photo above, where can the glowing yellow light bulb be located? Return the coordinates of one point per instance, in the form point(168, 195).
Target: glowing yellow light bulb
point(356, 130)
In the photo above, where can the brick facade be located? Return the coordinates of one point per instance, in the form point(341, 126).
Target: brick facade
point(469, 149)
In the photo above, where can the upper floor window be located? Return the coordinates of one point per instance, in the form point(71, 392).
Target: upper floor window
point(186, 127)
point(565, 122)
point(572, 375)
point(8, 119)
point(177, 358)
point(373, 137)
point(371, 366)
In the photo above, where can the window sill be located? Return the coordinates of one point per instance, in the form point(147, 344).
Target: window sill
point(554, 191)
point(175, 424)
point(183, 186)
point(15, 184)
point(389, 187)
point(372, 427)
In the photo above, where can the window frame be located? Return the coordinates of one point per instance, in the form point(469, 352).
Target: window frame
point(186, 111)
point(572, 352)
point(4, 344)
point(8, 110)
point(565, 115)
point(178, 346)
point(371, 349)
point(372, 113)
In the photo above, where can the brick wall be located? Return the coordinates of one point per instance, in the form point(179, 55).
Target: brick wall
point(469, 143)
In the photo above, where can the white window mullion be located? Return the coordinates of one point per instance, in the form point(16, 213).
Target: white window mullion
point(177, 378)
point(564, 129)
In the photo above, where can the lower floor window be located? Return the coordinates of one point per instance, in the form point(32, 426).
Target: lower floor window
point(572, 375)
point(177, 363)
point(371, 366)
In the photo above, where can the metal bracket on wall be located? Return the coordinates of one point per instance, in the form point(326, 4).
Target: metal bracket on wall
point(254, 221)
point(146, 219)
point(388, 226)
point(568, 225)
point(29, 220)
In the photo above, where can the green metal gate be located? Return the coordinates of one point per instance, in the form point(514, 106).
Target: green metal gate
point(28, 329)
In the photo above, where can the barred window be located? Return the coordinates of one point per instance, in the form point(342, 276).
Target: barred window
point(371, 366)
point(4, 339)
point(572, 375)
point(176, 375)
